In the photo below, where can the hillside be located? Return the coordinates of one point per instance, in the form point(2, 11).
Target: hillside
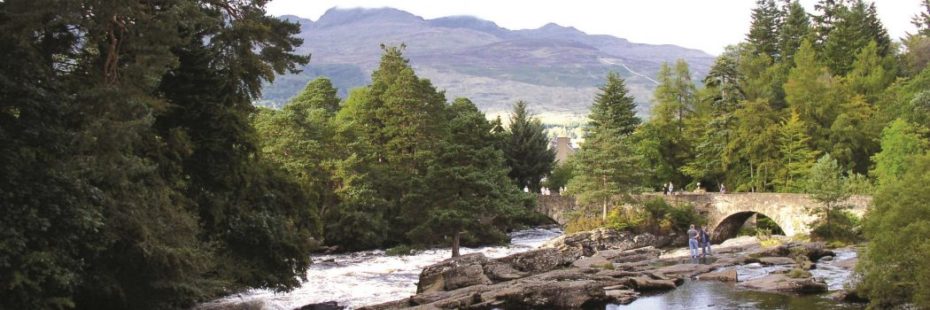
point(555, 68)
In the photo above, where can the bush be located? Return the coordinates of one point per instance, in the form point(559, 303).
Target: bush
point(844, 226)
point(583, 223)
point(400, 250)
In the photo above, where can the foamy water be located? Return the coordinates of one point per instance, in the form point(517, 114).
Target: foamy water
point(370, 277)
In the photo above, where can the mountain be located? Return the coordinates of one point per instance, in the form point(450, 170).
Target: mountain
point(556, 69)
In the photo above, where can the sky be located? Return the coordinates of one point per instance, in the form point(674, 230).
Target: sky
point(708, 25)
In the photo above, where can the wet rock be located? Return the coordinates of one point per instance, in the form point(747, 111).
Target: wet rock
point(634, 255)
point(589, 242)
point(771, 261)
point(329, 305)
point(541, 260)
point(783, 283)
point(685, 270)
point(722, 276)
point(499, 271)
point(848, 296)
point(848, 264)
point(453, 273)
point(733, 261)
point(620, 294)
point(595, 261)
point(645, 284)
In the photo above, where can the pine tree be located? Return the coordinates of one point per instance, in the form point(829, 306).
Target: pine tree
point(815, 95)
point(468, 178)
point(856, 26)
point(871, 73)
point(751, 148)
point(796, 155)
point(794, 29)
point(763, 31)
point(826, 185)
point(607, 166)
point(662, 140)
point(613, 108)
point(527, 149)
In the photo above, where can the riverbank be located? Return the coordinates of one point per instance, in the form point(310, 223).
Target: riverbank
point(602, 268)
point(369, 277)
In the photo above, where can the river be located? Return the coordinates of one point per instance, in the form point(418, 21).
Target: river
point(371, 277)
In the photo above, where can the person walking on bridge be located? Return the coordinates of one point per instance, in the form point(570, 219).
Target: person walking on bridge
point(693, 241)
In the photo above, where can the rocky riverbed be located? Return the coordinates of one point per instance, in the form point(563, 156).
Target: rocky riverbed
point(603, 267)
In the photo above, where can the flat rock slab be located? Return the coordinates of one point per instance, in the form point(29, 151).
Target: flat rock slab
point(685, 270)
point(722, 276)
point(783, 283)
point(769, 261)
point(643, 284)
point(595, 261)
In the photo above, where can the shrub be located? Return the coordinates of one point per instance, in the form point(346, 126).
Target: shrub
point(400, 250)
point(798, 273)
point(845, 227)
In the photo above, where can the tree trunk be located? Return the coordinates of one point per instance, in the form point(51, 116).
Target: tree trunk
point(604, 216)
point(455, 244)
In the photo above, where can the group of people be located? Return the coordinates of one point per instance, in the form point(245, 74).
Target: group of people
point(698, 239)
point(669, 188)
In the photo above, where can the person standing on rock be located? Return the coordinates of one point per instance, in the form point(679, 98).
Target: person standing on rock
point(693, 241)
point(705, 241)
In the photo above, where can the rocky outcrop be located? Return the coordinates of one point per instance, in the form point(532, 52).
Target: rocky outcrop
point(587, 243)
point(722, 276)
point(330, 305)
point(453, 273)
point(771, 261)
point(784, 283)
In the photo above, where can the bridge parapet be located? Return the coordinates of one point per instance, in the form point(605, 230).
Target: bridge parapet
point(726, 213)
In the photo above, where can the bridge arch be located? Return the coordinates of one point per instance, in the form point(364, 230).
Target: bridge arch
point(729, 226)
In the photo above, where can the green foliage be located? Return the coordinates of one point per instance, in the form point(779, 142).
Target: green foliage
point(900, 141)
point(606, 165)
point(130, 177)
point(796, 155)
point(400, 250)
point(827, 186)
point(561, 174)
point(893, 266)
point(526, 148)
point(846, 228)
point(662, 141)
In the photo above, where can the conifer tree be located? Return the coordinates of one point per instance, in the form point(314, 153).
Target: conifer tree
point(527, 149)
point(795, 27)
point(796, 155)
point(900, 141)
point(662, 141)
point(815, 95)
point(607, 165)
point(826, 185)
point(763, 30)
point(468, 180)
point(856, 26)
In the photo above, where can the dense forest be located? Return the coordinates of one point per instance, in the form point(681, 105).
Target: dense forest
point(822, 103)
point(136, 173)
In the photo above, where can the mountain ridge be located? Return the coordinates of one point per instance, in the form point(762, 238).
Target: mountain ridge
point(555, 68)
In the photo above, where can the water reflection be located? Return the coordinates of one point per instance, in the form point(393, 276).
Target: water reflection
point(717, 295)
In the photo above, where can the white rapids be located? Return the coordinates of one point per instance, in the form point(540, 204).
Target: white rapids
point(370, 277)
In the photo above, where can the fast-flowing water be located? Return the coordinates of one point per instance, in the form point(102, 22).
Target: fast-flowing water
point(716, 295)
point(370, 277)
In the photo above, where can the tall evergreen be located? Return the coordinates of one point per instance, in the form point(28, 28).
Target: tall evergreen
point(796, 155)
point(662, 140)
point(613, 109)
point(763, 30)
point(795, 27)
point(469, 183)
point(607, 164)
point(856, 25)
point(815, 95)
point(527, 149)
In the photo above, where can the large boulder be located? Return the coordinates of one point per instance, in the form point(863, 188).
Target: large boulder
point(784, 283)
point(499, 271)
point(589, 242)
point(634, 255)
point(453, 273)
point(645, 284)
point(541, 260)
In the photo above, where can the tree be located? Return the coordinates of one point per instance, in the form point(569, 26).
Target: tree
point(792, 31)
point(898, 228)
point(751, 150)
point(815, 95)
point(606, 165)
point(527, 149)
point(662, 140)
point(922, 19)
point(856, 26)
point(899, 142)
point(796, 155)
point(468, 178)
point(827, 186)
point(613, 109)
point(763, 30)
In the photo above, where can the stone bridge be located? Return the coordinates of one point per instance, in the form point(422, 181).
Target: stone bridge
point(726, 213)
